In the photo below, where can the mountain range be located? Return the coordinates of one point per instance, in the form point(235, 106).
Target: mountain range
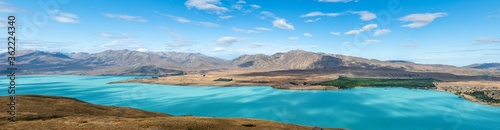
point(127, 62)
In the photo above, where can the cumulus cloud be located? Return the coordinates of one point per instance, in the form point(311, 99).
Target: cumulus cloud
point(366, 16)
point(282, 24)
point(308, 35)
point(420, 20)
point(293, 38)
point(488, 40)
point(228, 40)
point(379, 32)
point(352, 32)
point(64, 17)
point(335, 33)
point(372, 41)
point(365, 28)
point(212, 6)
point(125, 17)
point(317, 13)
point(368, 27)
point(338, 1)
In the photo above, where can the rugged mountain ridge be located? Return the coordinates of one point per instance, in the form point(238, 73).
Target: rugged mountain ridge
point(127, 62)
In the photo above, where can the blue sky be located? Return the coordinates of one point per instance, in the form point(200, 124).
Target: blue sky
point(455, 32)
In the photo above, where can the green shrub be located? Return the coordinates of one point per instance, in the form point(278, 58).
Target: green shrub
point(224, 79)
point(346, 82)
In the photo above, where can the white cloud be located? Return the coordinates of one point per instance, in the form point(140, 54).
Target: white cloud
point(6, 8)
point(488, 40)
point(241, 2)
point(352, 32)
point(345, 43)
point(281, 23)
point(379, 32)
point(237, 29)
point(243, 30)
point(64, 17)
point(317, 13)
point(179, 41)
point(262, 29)
point(3, 23)
point(336, 1)
point(252, 31)
point(179, 19)
point(206, 5)
point(226, 16)
point(240, 5)
point(259, 44)
point(125, 17)
point(118, 41)
point(255, 6)
point(368, 27)
point(208, 24)
point(142, 49)
point(268, 14)
point(293, 38)
point(372, 41)
point(312, 20)
point(228, 41)
point(122, 35)
point(184, 20)
point(335, 33)
point(419, 20)
point(308, 35)
point(409, 45)
point(219, 49)
point(366, 16)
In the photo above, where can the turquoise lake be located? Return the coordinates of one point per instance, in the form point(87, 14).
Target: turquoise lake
point(357, 109)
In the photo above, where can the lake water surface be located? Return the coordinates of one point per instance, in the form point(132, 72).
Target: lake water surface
point(357, 109)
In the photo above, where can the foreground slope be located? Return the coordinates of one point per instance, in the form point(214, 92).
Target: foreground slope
point(50, 112)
